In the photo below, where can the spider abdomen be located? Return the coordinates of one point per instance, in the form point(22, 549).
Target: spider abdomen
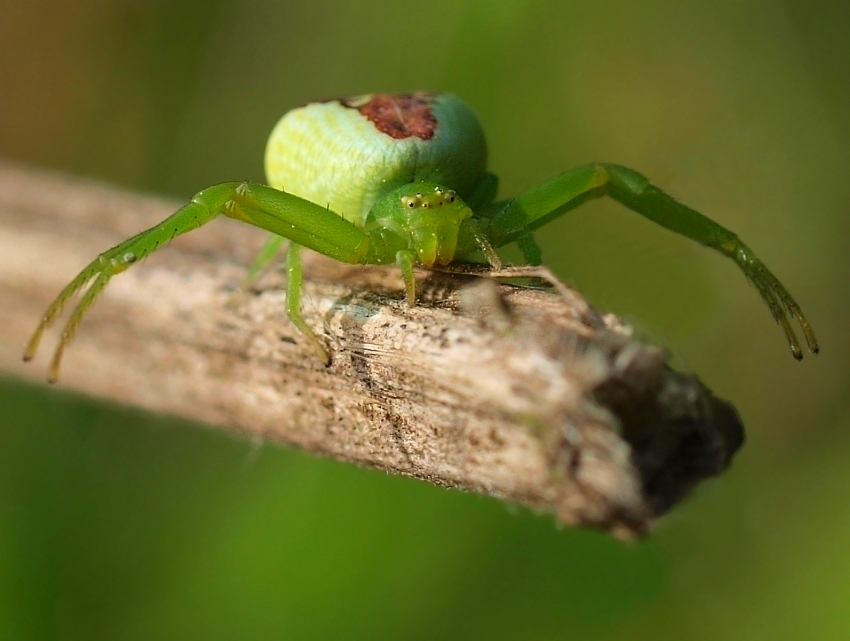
point(344, 154)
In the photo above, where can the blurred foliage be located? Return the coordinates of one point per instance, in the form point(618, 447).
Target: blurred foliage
point(116, 524)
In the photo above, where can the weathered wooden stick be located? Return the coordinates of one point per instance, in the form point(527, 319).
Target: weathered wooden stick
point(516, 393)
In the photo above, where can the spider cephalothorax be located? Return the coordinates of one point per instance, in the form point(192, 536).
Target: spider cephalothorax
point(402, 178)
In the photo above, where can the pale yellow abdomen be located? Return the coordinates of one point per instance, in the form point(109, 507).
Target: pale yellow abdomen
point(344, 154)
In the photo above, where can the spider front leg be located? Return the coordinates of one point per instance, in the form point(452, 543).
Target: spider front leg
point(278, 212)
point(513, 219)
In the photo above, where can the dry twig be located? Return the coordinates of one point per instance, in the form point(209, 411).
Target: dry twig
point(516, 393)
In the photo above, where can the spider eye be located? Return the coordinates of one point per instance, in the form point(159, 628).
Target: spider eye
point(411, 205)
point(451, 199)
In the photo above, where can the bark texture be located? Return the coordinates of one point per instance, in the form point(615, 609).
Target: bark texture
point(513, 392)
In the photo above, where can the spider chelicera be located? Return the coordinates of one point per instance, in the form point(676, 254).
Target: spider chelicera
point(402, 178)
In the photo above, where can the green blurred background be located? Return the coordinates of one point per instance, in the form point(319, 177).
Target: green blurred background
point(115, 524)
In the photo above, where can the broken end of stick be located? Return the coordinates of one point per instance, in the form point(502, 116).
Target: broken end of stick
point(629, 437)
point(679, 434)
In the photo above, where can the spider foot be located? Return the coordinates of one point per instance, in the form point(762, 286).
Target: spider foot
point(782, 305)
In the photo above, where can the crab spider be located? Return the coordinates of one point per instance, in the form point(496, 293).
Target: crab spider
point(381, 179)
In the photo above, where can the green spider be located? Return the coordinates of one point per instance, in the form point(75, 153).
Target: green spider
point(402, 178)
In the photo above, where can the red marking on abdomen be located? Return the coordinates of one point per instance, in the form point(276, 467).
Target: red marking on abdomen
point(399, 115)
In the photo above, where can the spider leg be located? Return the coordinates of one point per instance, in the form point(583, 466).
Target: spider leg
point(478, 232)
point(530, 249)
point(512, 219)
point(293, 301)
point(263, 259)
point(278, 212)
point(405, 259)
